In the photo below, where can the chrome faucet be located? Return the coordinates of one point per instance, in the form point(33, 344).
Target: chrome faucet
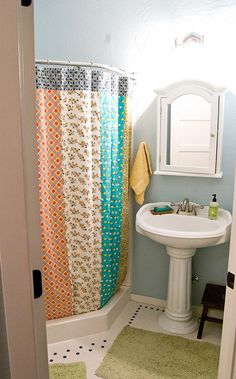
point(187, 207)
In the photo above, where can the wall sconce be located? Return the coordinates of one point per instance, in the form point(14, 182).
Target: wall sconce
point(190, 40)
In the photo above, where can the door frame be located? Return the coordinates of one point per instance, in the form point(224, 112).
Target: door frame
point(20, 245)
point(227, 364)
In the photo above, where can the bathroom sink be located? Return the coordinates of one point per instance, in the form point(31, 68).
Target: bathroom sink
point(182, 234)
point(184, 231)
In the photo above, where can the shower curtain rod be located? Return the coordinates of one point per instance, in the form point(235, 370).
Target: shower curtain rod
point(87, 64)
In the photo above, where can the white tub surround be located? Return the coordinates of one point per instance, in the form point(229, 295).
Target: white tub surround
point(88, 323)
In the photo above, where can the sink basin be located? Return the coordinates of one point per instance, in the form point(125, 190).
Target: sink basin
point(184, 231)
point(182, 234)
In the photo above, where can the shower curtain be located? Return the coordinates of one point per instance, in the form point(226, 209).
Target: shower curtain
point(83, 124)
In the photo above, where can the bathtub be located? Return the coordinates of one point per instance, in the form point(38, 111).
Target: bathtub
point(88, 323)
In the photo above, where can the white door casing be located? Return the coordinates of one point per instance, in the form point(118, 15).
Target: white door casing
point(20, 245)
point(30, 159)
point(227, 365)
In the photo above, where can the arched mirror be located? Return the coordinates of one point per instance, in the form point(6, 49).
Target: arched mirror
point(189, 136)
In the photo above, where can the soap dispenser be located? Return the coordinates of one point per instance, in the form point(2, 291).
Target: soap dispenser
point(213, 208)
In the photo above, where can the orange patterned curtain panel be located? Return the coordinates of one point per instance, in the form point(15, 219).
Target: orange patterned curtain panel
point(57, 281)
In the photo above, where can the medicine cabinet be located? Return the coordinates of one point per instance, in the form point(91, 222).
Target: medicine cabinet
point(190, 129)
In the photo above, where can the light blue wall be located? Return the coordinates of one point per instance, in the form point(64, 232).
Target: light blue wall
point(130, 34)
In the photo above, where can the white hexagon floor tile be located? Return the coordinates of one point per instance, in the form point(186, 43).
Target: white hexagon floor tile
point(91, 349)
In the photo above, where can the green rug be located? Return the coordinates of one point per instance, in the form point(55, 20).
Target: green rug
point(140, 354)
point(67, 371)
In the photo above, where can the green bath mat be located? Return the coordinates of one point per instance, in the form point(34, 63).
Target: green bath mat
point(67, 371)
point(140, 354)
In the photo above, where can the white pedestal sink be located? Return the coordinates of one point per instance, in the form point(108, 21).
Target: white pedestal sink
point(182, 234)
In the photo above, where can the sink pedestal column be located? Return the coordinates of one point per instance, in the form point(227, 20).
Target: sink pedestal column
point(178, 317)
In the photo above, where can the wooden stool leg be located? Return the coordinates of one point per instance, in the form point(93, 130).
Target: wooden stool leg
point(203, 318)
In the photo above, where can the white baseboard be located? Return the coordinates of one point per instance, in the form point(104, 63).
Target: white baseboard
point(148, 300)
point(197, 309)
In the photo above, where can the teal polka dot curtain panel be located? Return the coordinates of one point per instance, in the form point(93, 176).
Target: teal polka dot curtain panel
point(83, 133)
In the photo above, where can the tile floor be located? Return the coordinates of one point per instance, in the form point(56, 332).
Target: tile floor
point(92, 349)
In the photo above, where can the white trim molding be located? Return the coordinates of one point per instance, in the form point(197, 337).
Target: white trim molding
point(197, 309)
point(148, 300)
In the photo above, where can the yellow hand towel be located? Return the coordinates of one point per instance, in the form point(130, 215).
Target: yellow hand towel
point(139, 178)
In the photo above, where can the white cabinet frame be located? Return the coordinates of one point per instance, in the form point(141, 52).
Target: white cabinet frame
point(215, 97)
